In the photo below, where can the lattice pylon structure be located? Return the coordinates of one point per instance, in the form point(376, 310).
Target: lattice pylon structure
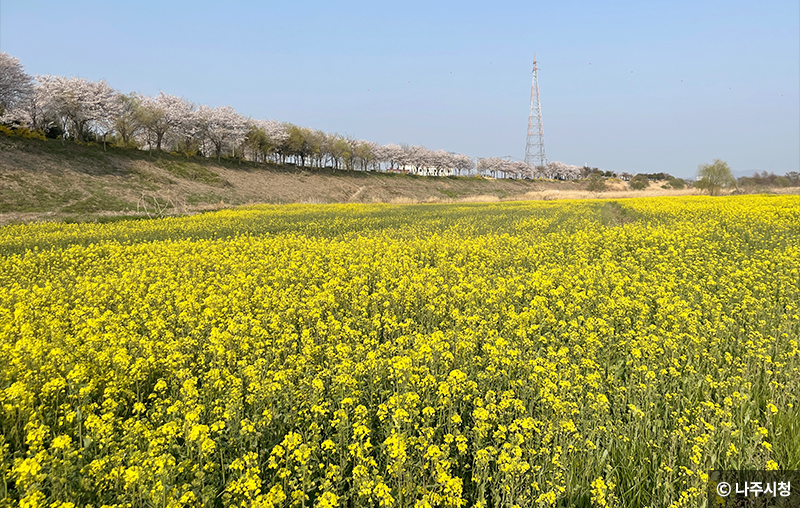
point(534, 148)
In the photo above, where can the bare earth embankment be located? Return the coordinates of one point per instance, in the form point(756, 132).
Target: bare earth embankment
point(48, 180)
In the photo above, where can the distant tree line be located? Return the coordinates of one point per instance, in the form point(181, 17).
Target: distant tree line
point(764, 179)
point(82, 110)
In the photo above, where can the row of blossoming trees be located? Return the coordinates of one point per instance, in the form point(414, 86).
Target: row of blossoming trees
point(79, 109)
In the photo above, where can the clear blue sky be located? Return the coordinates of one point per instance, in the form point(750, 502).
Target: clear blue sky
point(625, 86)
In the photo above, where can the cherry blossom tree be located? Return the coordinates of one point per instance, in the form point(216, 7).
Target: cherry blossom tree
point(418, 157)
point(276, 131)
point(107, 108)
point(51, 89)
point(561, 171)
point(438, 161)
point(15, 85)
point(492, 166)
point(163, 114)
point(29, 111)
point(223, 127)
point(391, 155)
point(189, 135)
point(463, 163)
point(403, 158)
point(264, 138)
point(520, 170)
point(76, 103)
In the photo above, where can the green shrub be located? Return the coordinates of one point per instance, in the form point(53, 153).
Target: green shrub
point(639, 182)
point(782, 181)
point(676, 183)
point(596, 183)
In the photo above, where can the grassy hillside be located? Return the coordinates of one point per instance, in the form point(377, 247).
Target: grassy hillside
point(40, 179)
point(48, 180)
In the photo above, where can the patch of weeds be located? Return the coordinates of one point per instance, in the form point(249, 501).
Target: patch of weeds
point(92, 153)
point(450, 193)
point(195, 199)
point(35, 198)
point(354, 173)
point(190, 171)
point(614, 214)
point(97, 202)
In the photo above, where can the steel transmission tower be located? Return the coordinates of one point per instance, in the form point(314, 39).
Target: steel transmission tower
point(534, 148)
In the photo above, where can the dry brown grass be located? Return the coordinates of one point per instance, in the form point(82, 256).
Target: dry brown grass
point(480, 198)
point(609, 194)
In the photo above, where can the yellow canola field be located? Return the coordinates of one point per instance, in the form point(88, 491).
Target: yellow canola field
point(590, 353)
